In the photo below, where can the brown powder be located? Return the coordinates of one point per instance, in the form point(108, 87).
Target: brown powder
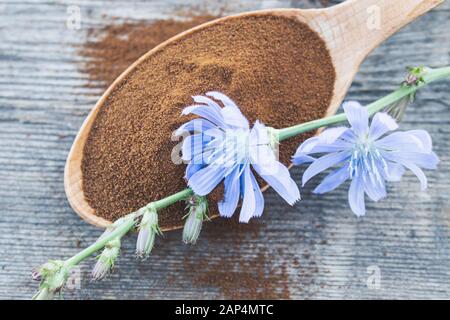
point(245, 270)
point(267, 276)
point(115, 47)
point(275, 68)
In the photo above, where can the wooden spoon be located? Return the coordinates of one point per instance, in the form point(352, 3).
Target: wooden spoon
point(351, 30)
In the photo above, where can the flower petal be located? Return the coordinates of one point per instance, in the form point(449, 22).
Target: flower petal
point(259, 134)
point(400, 141)
point(231, 113)
point(425, 139)
point(330, 135)
point(248, 193)
point(410, 165)
point(333, 180)
point(270, 169)
point(356, 196)
point(227, 102)
point(195, 125)
point(206, 112)
point(279, 178)
point(205, 180)
point(307, 145)
point(423, 160)
point(192, 145)
point(234, 117)
point(349, 136)
point(192, 168)
point(374, 188)
point(357, 116)
point(205, 100)
point(264, 157)
point(393, 172)
point(419, 174)
point(259, 198)
point(323, 163)
point(381, 124)
point(232, 192)
point(326, 139)
point(299, 159)
point(338, 145)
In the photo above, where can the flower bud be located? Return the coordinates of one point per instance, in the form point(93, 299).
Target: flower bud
point(198, 211)
point(148, 229)
point(106, 260)
point(414, 76)
point(398, 108)
point(52, 275)
point(36, 275)
point(43, 294)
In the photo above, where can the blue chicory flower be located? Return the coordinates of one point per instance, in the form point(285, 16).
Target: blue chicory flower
point(367, 155)
point(222, 146)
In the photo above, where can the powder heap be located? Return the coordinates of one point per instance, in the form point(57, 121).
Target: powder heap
point(237, 274)
point(246, 270)
point(276, 69)
point(117, 46)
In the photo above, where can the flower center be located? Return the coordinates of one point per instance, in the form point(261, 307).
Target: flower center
point(366, 160)
point(235, 147)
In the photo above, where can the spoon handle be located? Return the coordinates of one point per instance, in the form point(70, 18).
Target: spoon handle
point(361, 25)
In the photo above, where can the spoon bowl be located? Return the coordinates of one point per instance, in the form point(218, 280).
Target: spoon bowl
point(350, 30)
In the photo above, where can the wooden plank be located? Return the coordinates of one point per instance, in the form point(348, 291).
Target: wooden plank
point(317, 249)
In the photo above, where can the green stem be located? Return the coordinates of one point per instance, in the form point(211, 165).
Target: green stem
point(124, 228)
point(163, 203)
point(128, 224)
point(99, 244)
point(430, 76)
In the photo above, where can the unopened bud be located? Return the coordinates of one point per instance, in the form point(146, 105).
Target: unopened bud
point(198, 211)
point(148, 229)
point(398, 108)
point(106, 260)
point(414, 76)
point(53, 276)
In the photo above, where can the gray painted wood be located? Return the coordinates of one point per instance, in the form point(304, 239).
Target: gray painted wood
point(317, 249)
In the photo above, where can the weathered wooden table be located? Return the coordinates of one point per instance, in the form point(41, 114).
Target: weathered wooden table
point(317, 249)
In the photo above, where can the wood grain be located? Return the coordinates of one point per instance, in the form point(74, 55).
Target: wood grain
point(317, 249)
point(341, 27)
